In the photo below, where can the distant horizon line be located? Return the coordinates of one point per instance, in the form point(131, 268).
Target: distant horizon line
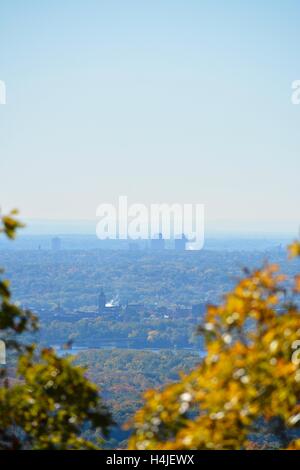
point(209, 235)
point(83, 226)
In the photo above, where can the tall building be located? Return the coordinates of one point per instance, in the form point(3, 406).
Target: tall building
point(56, 243)
point(101, 302)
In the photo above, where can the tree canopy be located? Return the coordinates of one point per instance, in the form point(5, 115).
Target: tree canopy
point(51, 401)
point(249, 379)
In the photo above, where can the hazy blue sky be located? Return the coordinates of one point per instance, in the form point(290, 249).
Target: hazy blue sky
point(163, 101)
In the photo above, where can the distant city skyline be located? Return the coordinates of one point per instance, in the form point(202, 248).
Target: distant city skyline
point(164, 101)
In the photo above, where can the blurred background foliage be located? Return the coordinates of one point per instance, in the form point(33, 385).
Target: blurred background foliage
point(51, 401)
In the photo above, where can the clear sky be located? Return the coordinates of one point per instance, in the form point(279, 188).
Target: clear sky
point(161, 100)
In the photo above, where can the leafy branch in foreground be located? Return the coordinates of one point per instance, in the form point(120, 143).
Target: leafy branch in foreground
point(12, 318)
point(50, 401)
point(248, 381)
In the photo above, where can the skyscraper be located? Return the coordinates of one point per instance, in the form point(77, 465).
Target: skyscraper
point(101, 302)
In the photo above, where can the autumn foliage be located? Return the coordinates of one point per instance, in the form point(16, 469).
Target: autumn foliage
point(247, 385)
point(49, 402)
point(249, 379)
